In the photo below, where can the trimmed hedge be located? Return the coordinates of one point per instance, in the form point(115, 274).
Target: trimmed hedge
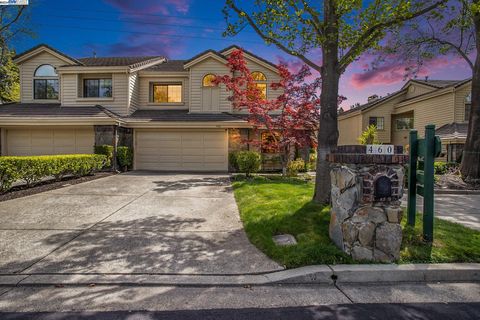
point(35, 168)
point(124, 157)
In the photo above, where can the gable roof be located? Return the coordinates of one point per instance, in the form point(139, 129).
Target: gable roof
point(437, 84)
point(132, 62)
point(373, 103)
point(235, 47)
point(169, 65)
point(45, 46)
point(203, 55)
point(453, 130)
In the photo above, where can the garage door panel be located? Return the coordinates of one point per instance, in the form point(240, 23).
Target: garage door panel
point(190, 150)
point(24, 142)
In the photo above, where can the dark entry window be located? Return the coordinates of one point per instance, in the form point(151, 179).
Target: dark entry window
point(97, 88)
point(45, 88)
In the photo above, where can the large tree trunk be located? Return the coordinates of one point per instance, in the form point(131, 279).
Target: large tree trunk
point(470, 167)
point(328, 128)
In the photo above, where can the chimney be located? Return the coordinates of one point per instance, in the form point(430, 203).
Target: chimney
point(372, 98)
point(426, 78)
point(94, 54)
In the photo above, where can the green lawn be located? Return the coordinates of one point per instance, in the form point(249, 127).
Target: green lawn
point(274, 205)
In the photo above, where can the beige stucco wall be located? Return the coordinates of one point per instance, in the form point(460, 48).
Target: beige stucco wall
point(415, 89)
point(133, 92)
point(145, 82)
point(460, 94)
point(349, 128)
point(385, 110)
point(27, 70)
point(437, 110)
point(197, 72)
point(118, 103)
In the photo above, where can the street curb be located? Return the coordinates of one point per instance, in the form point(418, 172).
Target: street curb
point(455, 191)
point(319, 274)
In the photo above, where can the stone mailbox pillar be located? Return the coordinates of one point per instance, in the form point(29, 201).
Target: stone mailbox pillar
point(366, 197)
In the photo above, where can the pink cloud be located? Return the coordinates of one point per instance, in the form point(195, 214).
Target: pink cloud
point(395, 71)
point(150, 6)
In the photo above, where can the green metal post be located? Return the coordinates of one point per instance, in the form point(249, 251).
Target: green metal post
point(429, 181)
point(412, 178)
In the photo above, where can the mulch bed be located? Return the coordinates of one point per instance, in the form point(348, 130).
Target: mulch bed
point(23, 191)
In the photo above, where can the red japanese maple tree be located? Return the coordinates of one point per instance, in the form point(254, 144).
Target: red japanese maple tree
point(291, 119)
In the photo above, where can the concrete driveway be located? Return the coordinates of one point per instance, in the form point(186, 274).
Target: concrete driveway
point(137, 222)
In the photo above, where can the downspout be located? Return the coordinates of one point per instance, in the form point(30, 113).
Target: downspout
point(115, 144)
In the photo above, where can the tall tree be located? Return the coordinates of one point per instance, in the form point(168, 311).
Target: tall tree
point(451, 30)
point(290, 119)
point(341, 29)
point(12, 24)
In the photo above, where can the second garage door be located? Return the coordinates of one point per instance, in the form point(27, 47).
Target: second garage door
point(48, 141)
point(181, 150)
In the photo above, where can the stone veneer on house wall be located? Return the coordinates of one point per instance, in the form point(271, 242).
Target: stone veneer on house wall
point(366, 197)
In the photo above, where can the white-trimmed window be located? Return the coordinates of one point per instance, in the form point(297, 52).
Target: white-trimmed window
point(97, 88)
point(403, 123)
point(45, 83)
point(260, 82)
point(167, 93)
point(378, 122)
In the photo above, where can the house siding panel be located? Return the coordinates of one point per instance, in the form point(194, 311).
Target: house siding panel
point(350, 129)
point(133, 92)
point(27, 70)
point(384, 110)
point(197, 72)
point(119, 104)
point(460, 95)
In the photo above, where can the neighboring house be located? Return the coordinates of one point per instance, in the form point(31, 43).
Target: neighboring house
point(444, 103)
point(168, 111)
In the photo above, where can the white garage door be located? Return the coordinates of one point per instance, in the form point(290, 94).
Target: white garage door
point(26, 142)
point(181, 150)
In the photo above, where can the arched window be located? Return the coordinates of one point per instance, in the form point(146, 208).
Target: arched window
point(260, 82)
point(45, 70)
point(208, 80)
point(45, 83)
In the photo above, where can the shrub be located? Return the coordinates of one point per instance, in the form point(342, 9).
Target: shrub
point(440, 167)
point(369, 136)
point(294, 167)
point(34, 169)
point(124, 157)
point(107, 151)
point(249, 162)
point(312, 163)
point(232, 160)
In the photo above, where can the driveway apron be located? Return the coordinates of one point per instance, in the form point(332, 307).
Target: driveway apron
point(139, 222)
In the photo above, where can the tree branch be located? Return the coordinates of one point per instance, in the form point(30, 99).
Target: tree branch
point(19, 13)
point(364, 39)
point(282, 47)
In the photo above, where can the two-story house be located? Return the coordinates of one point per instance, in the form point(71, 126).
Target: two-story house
point(168, 111)
point(445, 103)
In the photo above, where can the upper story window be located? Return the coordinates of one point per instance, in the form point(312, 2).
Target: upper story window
point(208, 80)
point(97, 88)
point(468, 106)
point(404, 123)
point(167, 93)
point(378, 122)
point(260, 82)
point(45, 83)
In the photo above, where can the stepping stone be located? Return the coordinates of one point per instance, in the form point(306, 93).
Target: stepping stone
point(284, 240)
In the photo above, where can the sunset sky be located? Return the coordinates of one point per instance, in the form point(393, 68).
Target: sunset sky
point(179, 29)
